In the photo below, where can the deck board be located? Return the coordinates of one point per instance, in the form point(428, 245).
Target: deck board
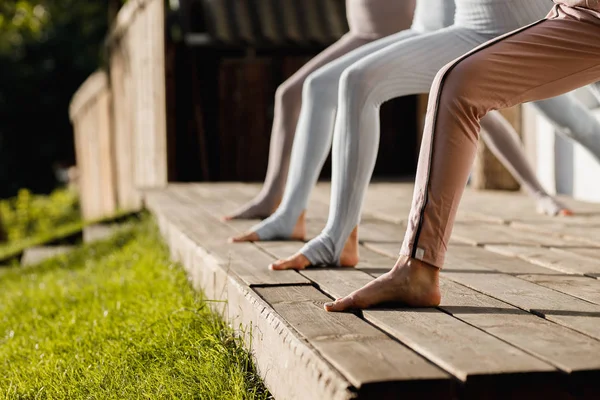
point(479, 234)
point(520, 315)
point(568, 350)
point(461, 349)
point(246, 260)
point(563, 260)
point(344, 338)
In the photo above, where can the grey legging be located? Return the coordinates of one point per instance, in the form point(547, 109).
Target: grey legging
point(369, 20)
point(399, 65)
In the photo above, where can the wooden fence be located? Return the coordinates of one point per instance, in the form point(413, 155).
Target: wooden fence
point(90, 112)
point(119, 117)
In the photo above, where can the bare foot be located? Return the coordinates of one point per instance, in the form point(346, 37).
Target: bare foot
point(348, 258)
point(565, 212)
point(548, 205)
point(259, 210)
point(410, 282)
point(299, 232)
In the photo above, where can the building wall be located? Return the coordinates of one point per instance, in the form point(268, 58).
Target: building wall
point(563, 166)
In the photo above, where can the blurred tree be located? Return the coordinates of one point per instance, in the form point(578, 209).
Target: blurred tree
point(47, 49)
point(3, 236)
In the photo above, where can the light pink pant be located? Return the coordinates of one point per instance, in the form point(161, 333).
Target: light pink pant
point(546, 59)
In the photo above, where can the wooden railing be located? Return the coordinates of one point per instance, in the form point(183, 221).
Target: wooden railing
point(91, 115)
point(119, 115)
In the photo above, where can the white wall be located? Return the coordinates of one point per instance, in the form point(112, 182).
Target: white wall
point(563, 166)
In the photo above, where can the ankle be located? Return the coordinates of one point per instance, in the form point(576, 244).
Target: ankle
point(418, 268)
point(274, 204)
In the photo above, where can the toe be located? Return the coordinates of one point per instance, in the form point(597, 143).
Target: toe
point(246, 237)
point(344, 304)
point(565, 212)
point(281, 265)
point(297, 261)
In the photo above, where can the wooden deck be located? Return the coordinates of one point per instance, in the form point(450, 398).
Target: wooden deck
point(520, 315)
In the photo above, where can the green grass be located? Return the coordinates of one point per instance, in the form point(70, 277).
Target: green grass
point(9, 252)
point(116, 320)
point(31, 220)
point(27, 215)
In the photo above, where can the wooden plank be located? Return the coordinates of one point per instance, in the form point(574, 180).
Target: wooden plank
point(469, 259)
point(426, 331)
point(389, 200)
point(577, 286)
point(511, 206)
point(464, 351)
point(343, 338)
point(566, 261)
point(587, 252)
point(568, 350)
point(554, 306)
point(479, 234)
point(381, 231)
point(585, 232)
point(235, 197)
point(246, 260)
point(290, 367)
point(507, 206)
point(376, 232)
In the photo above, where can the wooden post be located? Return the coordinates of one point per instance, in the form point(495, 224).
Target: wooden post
point(90, 112)
point(488, 172)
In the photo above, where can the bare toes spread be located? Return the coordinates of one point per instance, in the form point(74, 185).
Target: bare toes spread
point(246, 237)
point(297, 261)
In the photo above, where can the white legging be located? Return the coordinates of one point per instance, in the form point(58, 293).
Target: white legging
point(400, 65)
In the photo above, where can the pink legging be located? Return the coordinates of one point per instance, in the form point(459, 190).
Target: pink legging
point(546, 59)
point(369, 20)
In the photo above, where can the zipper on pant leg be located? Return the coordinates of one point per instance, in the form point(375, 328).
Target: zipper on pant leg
point(417, 253)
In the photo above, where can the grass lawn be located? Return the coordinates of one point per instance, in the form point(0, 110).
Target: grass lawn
point(116, 320)
point(30, 220)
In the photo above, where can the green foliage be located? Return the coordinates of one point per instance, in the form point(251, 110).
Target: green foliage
point(21, 21)
point(28, 215)
point(47, 49)
point(116, 320)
